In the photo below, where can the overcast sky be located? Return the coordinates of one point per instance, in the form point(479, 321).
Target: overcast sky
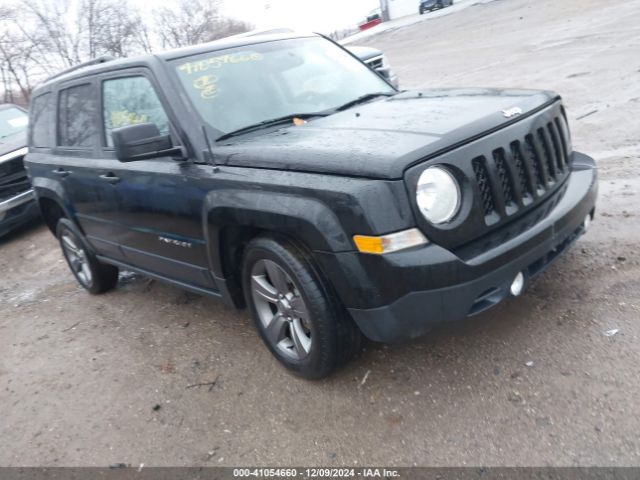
point(322, 16)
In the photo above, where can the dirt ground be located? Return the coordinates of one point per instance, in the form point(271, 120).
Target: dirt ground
point(97, 380)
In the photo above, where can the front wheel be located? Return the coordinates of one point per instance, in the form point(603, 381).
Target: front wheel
point(91, 274)
point(295, 309)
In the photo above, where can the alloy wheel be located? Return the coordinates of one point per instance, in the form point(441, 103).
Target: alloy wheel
point(281, 309)
point(77, 259)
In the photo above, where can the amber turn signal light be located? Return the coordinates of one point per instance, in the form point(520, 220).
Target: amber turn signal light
point(392, 242)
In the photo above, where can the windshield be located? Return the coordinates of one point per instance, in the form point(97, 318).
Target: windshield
point(12, 121)
point(234, 88)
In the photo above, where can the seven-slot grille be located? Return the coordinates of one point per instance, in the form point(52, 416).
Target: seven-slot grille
point(527, 169)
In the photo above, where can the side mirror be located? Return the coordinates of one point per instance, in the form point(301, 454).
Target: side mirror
point(141, 142)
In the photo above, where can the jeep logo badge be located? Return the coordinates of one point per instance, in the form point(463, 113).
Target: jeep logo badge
point(512, 112)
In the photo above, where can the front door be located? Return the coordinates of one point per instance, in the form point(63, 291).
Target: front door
point(159, 222)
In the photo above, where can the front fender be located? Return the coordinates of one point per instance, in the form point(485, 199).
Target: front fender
point(305, 219)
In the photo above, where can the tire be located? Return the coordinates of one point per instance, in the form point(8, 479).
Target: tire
point(91, 274)
point(296, 310)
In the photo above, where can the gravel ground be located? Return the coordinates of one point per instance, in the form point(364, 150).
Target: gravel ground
point(97, 380)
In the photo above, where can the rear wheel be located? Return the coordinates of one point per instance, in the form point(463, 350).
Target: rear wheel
point(295, 309)
point(91, 274)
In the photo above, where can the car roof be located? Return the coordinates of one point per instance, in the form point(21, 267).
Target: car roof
point(145, 60)
point(231, 42)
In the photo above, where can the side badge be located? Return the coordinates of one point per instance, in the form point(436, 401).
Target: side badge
point(176, 243)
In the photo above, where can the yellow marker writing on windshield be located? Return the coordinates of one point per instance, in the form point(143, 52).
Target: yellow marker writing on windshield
point(217, 62)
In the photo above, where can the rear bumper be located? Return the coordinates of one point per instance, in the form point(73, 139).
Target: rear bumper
point(17, 210)
point(421, 288)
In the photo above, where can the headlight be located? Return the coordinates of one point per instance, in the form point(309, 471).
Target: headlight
point(438, 195)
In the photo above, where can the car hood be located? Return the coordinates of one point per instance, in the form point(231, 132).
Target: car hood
point(12, 143)
point(382, 138)
point(364, 53)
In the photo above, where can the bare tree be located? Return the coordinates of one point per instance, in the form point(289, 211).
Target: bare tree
point(16, 67)
point(191, 22)
point(111, 27)
point(41, 37)
point(54, 30)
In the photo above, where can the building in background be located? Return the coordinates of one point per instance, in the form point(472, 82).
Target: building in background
point(392, 9)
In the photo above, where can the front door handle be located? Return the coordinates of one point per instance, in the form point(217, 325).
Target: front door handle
point(61, 172)
point(110, 177)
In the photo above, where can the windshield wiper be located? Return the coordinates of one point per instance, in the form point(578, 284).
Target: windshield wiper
point(363, 98)
point(270, 123)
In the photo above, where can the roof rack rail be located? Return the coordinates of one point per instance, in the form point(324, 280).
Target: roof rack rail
point(88, 63)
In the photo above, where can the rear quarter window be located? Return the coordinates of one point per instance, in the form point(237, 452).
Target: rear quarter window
point(41, 121)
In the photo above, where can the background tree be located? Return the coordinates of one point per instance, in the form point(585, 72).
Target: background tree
point(41, 37)
point(190, 22)
point(16, 60)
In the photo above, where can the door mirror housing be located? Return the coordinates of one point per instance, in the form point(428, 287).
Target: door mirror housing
point(142, 142)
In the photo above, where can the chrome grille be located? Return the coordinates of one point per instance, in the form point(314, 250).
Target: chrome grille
point(376, 63)
point(11, 167)
point(13, 177)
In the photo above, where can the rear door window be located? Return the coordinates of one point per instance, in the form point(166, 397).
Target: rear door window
point(130, 101)
point(77, 108)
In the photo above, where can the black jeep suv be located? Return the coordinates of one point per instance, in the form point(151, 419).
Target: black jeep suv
point(280, 173)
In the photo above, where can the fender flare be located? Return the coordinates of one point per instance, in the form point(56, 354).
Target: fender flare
point(304, 219)
point(53, 190)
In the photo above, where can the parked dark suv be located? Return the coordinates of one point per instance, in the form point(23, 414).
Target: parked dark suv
point(281, 173)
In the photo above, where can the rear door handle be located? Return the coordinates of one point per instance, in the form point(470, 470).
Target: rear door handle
point(61, 172)
point(110, 177)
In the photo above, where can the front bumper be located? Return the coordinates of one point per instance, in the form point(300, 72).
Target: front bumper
point(17, 210)
point(421, 288)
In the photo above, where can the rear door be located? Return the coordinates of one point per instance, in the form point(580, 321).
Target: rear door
point(92, 199)
point(159, 222)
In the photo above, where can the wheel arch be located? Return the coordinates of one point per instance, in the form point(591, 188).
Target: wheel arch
point(233, 218)
point(50, 195)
